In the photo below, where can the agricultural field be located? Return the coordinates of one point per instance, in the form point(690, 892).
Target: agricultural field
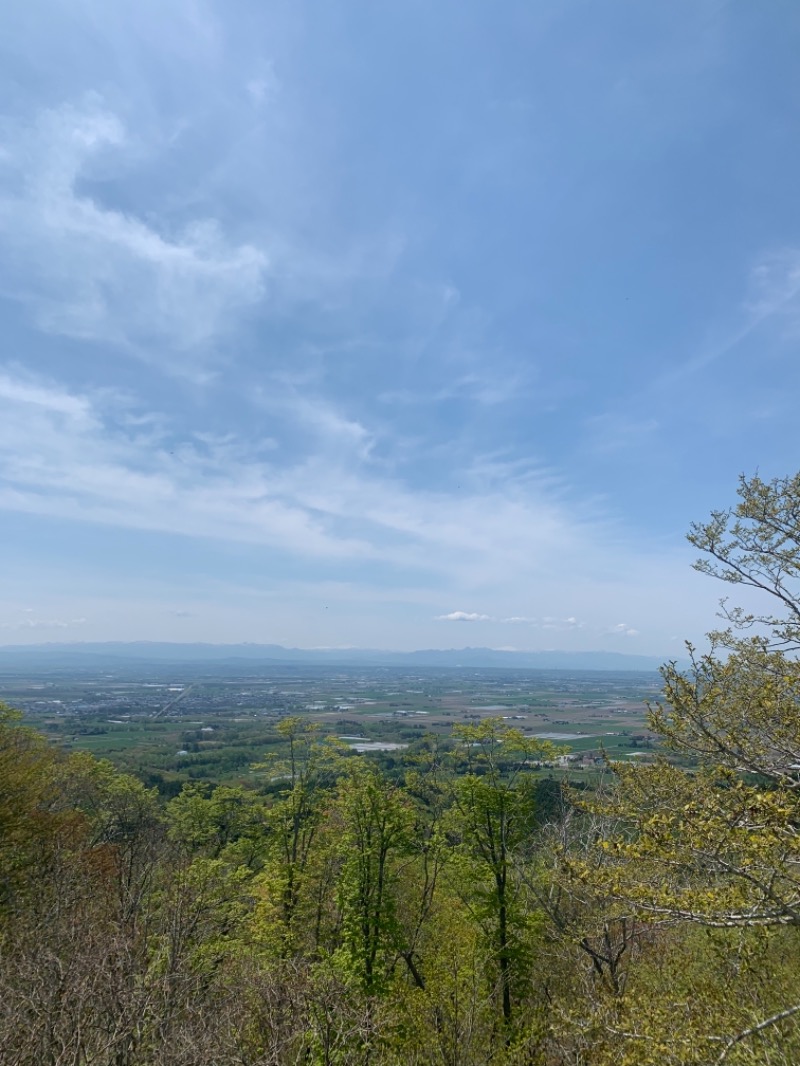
point(172, 725)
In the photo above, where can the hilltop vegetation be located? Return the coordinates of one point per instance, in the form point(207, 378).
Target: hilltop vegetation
point(459, 910)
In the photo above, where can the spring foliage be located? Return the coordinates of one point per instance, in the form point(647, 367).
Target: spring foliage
point(447, 917)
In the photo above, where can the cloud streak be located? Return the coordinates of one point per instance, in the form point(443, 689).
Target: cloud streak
point(773, 292)
point(463, 616)
point(622, 629)
point(99, 457)
point(93, 272)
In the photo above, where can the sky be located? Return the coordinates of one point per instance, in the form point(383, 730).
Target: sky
point(389, 323)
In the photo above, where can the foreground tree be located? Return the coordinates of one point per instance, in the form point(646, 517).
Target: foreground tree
point(310, 771)
point(28, 824)
point(377, 824)
point(493, 818)
point(717, 845)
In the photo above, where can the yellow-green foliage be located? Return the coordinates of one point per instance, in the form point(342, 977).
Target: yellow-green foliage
point(435, 921)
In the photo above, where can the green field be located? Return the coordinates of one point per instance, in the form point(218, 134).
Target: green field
point(179, 728)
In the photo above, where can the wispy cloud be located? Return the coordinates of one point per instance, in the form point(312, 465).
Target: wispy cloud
point(363, 366)
point(296, 403)
point(546, 622)
point(775, 285)
point(619, 432)
point(463, 616)
point(43, 623)
point(99, 457)
point(773, 292)
point(622, 629)
point(94, 272)
point(29, 393)
point(487, 389)
point(263, 89)
point(79, 457)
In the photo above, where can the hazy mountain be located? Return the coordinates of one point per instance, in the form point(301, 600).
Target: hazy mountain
point(51, 656)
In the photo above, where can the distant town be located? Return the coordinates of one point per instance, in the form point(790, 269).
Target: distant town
point(176, 722)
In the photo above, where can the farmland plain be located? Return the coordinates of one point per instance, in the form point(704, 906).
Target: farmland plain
point(172, 724)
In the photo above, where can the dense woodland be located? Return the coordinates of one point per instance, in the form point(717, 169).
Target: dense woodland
point(463, 915)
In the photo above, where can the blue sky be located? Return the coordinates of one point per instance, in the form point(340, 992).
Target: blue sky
point(389, 324)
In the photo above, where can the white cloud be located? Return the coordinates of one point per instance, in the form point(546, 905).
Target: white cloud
point(487, 388)
point(97, 273)
point(619, 432)
point(264, 88)
point(548, 622)
point(463, 616)
point(95, 457)
point(79, 457)
point(622, 629)
point(773, 293)
point(23, 392)
point(318, 417)
point(775, 284)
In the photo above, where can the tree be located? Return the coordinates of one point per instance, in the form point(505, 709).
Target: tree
point(756, 544)
point(377, 821)
point(494, 816)
point(225, 821)
point(710, 836)
point(309, 770)
point(27, 795)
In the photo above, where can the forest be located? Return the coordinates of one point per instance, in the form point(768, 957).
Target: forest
point(464, 912)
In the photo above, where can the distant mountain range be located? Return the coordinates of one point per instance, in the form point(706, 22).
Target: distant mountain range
point(144, 653)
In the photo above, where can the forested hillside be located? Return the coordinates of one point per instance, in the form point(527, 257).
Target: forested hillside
point(467, 914)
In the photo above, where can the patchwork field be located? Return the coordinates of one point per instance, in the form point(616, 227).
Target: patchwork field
point(171, 726)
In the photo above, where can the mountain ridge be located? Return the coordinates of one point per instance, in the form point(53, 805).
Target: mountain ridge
point(62, 653)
